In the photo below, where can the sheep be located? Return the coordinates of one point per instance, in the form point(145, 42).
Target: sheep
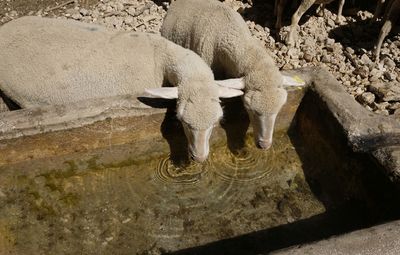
point(221, 37)
point(304, 6)
point(391, 16)
point(52, 61)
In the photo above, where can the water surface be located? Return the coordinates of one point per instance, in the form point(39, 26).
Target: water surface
point(150, 205)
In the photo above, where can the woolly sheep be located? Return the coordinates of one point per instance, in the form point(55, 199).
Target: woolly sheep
point(304, 6)
point(391, 16)
point(221, 37)
point(51, 61)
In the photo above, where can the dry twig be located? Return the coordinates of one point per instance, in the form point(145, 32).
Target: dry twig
point(60, 5)
point(148, 6)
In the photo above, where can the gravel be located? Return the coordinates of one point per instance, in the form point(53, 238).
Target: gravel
point(320, 42)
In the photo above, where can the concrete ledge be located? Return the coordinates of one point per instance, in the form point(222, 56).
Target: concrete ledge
point(389, 157)
point(366, 131)
point(383, 240)
point(39, 120)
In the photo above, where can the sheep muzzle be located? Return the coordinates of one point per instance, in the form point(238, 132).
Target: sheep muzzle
point(263, 129)
point(198, 142)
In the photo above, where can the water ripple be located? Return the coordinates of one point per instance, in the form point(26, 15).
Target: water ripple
point(249, 164)
point(191, 173)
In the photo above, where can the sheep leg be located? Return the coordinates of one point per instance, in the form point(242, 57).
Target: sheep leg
point(279, 6)
point(390, 19)
point(339, 17)
point(387, 26)
point(304, 6)
point(378, 10)
point(276, 3)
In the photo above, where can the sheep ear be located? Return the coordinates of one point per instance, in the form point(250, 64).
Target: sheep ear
point(166, 92)
point(236, 83)
point(292, 81)
point(228, 92)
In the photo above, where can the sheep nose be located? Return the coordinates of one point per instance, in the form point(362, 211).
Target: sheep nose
point(198, 158)
point(264, 144)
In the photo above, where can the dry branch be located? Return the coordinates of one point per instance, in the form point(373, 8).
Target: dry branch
point(60, 5)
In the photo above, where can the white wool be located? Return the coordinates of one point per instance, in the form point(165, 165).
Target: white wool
point(221, 37)
point(51, 61)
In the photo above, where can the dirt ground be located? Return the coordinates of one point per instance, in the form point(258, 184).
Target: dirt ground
point(29, 7)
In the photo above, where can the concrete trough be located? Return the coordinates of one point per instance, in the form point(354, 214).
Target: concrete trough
point(111, 175)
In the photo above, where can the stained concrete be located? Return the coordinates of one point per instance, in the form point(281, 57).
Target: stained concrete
point(365, 130)
point(383, 240)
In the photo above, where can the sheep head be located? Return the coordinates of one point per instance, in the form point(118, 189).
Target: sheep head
point(198, 109)
point(263, 106)
point(263, 99)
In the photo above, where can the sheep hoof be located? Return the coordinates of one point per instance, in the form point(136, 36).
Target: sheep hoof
point(340, 20)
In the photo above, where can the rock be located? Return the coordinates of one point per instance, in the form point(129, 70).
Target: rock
point(350, 50)
point(13, 14)
point(359, 91)
point(308, 56)
point(368, 108)
point(131, 10)
point(389, 76)
point(375, 75)
point(381, 106)
point(251, 24)
point(362, 71)
point(367, 98)
point(259, 28)
point(397, 113)
point(113, 21)
point(330, 41)
point(382, 112)
point(2, 195)
point(389, 91)
point(389, 63)
point(119, 6)
point(129, 20)
point(326, 58)
point(84, 12)
point(95, 14)
point(331, 23)
point(366, 60)
point(394, 106)
point(72, 11)
point(293, 53)
point(76, 16)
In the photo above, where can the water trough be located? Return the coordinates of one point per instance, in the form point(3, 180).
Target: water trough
point(111, 176)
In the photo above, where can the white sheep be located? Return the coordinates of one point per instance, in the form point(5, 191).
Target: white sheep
point(52, 61)
point(390, 18)
point(221, 37)
point(303, 7)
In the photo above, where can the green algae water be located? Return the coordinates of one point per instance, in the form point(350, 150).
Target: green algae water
point(150, 205)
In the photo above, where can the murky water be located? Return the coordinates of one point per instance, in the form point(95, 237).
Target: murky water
point(152, 206)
